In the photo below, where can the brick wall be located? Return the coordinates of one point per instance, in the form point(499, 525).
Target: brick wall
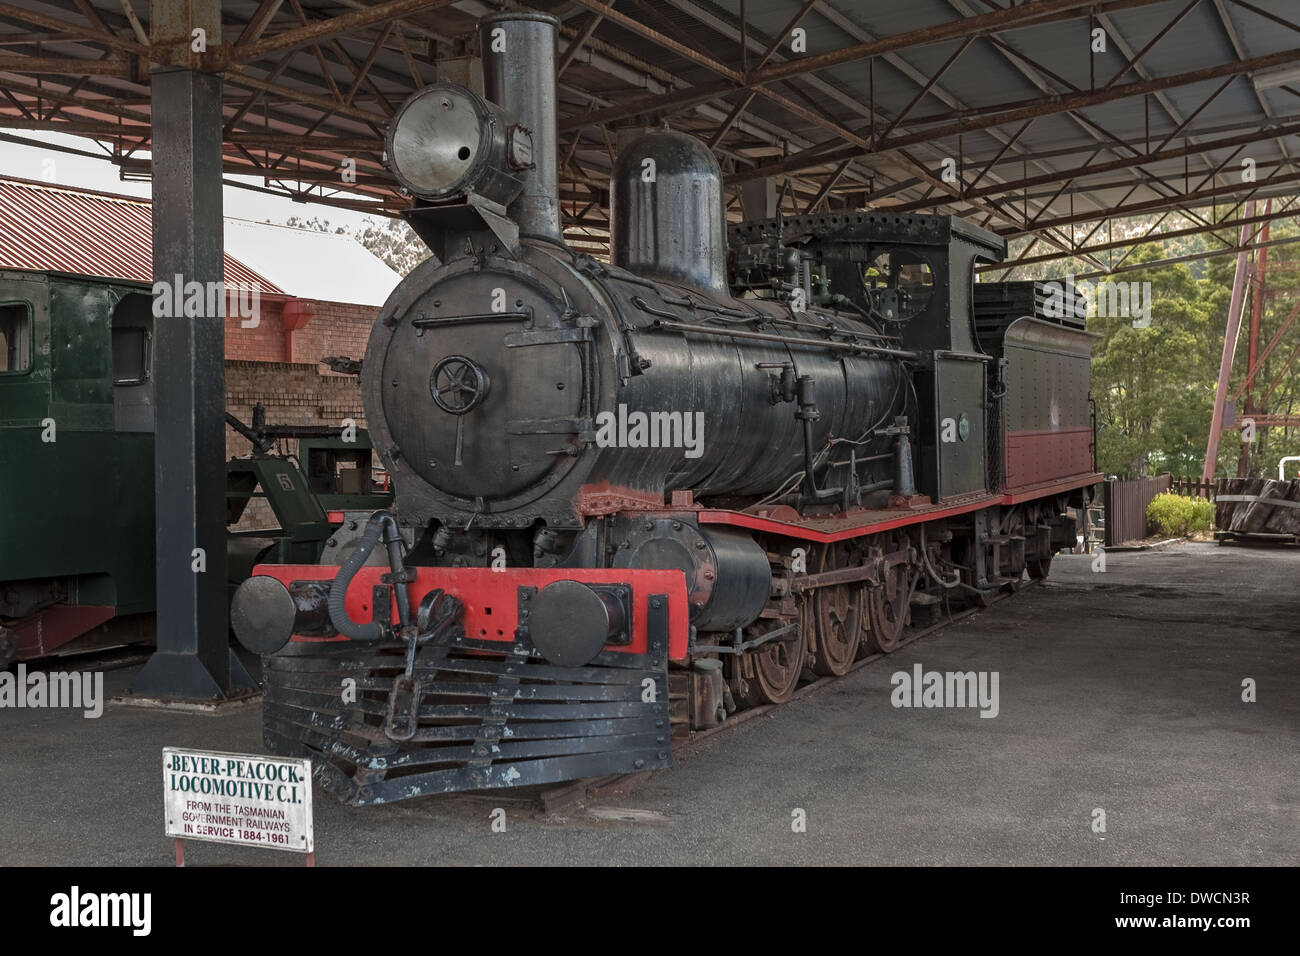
point(293, 393)
point(282, 371)
point(335, 328)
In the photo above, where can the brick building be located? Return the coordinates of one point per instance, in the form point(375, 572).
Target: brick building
point(318, 293)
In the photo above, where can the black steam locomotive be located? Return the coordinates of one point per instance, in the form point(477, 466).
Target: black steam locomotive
point(634, 497)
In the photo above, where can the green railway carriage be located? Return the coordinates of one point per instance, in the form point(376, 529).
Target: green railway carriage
point(77, 469)
point(76, 458)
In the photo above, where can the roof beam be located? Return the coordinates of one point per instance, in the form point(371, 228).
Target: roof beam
point(1047, 179)
point(1135, 57)
point(1020, 110)
point(1138, 266)
point(63, 66)
point(681, 49)
point(1190, 200)
point(74, 29)
point(253, 29)
point(827, 186)
point(240, 78)
point(136, 26)
point(332, 26)
point(1043, 11)
point(1157, 237)
point(1006, 18)
point(577, 42)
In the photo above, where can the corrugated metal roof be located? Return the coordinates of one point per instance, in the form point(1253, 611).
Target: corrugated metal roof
point(1083, 106)
point(89, 233)
point(1023, 65)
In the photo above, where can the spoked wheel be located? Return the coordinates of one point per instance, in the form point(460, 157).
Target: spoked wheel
point(1040, 563)
point(887, 609)
point(837, 613)
point(768, 674)
point(1039, 567)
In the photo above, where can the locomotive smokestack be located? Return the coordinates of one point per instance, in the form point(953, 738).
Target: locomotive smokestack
point(519, 75)
point(666, 220)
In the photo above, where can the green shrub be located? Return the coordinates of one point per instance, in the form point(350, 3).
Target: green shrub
point(1202, 515)
point(1176, 515)
point(1169, 514)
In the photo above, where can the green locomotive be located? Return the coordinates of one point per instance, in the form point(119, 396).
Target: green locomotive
point(77, 469)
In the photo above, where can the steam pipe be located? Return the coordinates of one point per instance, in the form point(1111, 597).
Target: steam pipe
point(519, 76)
point(381, 523)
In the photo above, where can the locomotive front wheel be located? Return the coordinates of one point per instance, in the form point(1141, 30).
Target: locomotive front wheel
point(770, 673)
point(1038, 567)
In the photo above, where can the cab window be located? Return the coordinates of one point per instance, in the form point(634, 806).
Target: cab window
point(15, 337)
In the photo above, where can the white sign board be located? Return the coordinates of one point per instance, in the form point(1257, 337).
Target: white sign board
point(247, 799)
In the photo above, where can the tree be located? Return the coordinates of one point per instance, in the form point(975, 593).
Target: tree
point(392, 240)
point(1151, 385)
point(1154, 388)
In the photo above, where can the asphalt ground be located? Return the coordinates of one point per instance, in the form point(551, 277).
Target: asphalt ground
point(1118, 691)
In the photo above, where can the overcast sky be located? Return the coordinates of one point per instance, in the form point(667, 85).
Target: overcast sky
point(64, 169)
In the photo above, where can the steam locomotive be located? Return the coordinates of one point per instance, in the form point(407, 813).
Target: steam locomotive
point(635, 497)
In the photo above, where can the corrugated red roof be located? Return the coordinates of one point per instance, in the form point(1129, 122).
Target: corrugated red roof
point(89, 233)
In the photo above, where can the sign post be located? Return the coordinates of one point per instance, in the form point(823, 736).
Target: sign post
point(245, 799)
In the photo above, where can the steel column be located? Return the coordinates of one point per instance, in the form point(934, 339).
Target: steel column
point(758, 199)
point(1229, 350)
point(193, 658)
point(1252, 351)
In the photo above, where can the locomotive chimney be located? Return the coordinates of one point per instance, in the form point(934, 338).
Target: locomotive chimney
point(666, 220)
point(519, 76)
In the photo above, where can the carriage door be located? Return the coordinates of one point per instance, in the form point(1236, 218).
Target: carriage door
point(133, 405)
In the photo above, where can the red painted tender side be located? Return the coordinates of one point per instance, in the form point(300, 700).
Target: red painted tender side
point(1042, 455)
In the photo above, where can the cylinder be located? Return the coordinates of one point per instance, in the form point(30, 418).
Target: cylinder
point(728, 576)
point(666, 218)
point(519, 76)
point(743, 583)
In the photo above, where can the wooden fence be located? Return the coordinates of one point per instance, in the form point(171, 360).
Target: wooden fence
point(1126, 506)
point(1192, 487)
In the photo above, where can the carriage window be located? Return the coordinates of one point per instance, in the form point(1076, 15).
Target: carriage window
point(15, 337)
point(130, 356)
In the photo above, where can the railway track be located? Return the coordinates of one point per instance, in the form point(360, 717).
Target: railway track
point(593, 790)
